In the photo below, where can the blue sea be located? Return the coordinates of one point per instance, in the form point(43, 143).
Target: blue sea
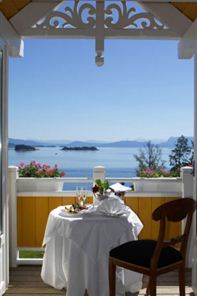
point(118, 162)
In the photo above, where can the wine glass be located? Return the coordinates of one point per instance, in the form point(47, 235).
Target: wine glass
point(84, 195)
point(78, 194)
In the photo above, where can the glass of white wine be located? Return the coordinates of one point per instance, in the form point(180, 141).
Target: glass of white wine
point(78, 194)
point(84, 195)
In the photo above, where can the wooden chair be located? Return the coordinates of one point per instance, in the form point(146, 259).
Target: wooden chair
point(152, 257)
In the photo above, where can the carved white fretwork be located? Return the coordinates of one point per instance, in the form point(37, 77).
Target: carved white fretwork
point(118, 19)
point(128, 18)
point(99, 20)
point(71, 17)
point(117, 15)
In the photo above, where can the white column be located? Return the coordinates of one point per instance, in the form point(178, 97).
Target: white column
point(195, 130)
point(194, 259)
point(4, 236)
point(99, 173)
point(187, 181)
point(187, 191)
point(12, 177)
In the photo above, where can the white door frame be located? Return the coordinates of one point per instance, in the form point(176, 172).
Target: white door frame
point(4, 258)
point(194, 224)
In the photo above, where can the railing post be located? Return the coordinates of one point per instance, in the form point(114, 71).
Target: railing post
point(99, 173)
point(187, 181)
point(187, 191)
point(12, 191)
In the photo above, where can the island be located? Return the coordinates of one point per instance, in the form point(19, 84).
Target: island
point(23, 148)
point(83, 148)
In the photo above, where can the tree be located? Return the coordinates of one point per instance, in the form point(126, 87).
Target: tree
point(181, 155)
point(149, 158)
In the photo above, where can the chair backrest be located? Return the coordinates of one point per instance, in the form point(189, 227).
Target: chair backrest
point(174, 211)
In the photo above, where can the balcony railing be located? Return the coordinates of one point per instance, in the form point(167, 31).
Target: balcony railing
point(29, 209)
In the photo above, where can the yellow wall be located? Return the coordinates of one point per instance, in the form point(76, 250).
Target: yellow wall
point(143, 207)
point(32, 214)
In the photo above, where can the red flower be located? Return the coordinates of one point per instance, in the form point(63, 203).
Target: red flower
point(49, 172)
point(35, 169)
point(95, 189)
point(46, 166)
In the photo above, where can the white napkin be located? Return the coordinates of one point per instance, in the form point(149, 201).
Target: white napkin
point(117, 187)
point(112, 206)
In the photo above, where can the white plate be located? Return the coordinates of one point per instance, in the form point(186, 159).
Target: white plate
point(66, 213)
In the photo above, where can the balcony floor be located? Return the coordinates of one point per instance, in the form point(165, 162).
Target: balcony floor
point(26, 281)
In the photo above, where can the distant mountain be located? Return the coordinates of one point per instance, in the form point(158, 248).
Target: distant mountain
point(112, 144)
point(56, 142)
point(127, 143)
point(97, 141)
point(133, 144)
point(170, 143)
point(13, 142)
point(50, 143)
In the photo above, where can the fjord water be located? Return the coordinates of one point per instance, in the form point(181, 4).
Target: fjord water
point(118, 162)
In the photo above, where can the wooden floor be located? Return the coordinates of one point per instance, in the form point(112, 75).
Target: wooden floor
point(26, 281)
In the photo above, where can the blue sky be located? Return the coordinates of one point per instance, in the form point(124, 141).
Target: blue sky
point(143, 91)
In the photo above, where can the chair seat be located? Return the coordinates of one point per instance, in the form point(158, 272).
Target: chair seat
point(140, 253)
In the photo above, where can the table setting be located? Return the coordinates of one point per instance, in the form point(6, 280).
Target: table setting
point(77, 242)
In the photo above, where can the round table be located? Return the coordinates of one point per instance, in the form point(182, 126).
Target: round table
point(77, 250)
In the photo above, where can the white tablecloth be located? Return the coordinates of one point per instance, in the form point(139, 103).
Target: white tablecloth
point(77, 252)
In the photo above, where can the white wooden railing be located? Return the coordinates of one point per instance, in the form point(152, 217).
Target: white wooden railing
point(176, 187)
